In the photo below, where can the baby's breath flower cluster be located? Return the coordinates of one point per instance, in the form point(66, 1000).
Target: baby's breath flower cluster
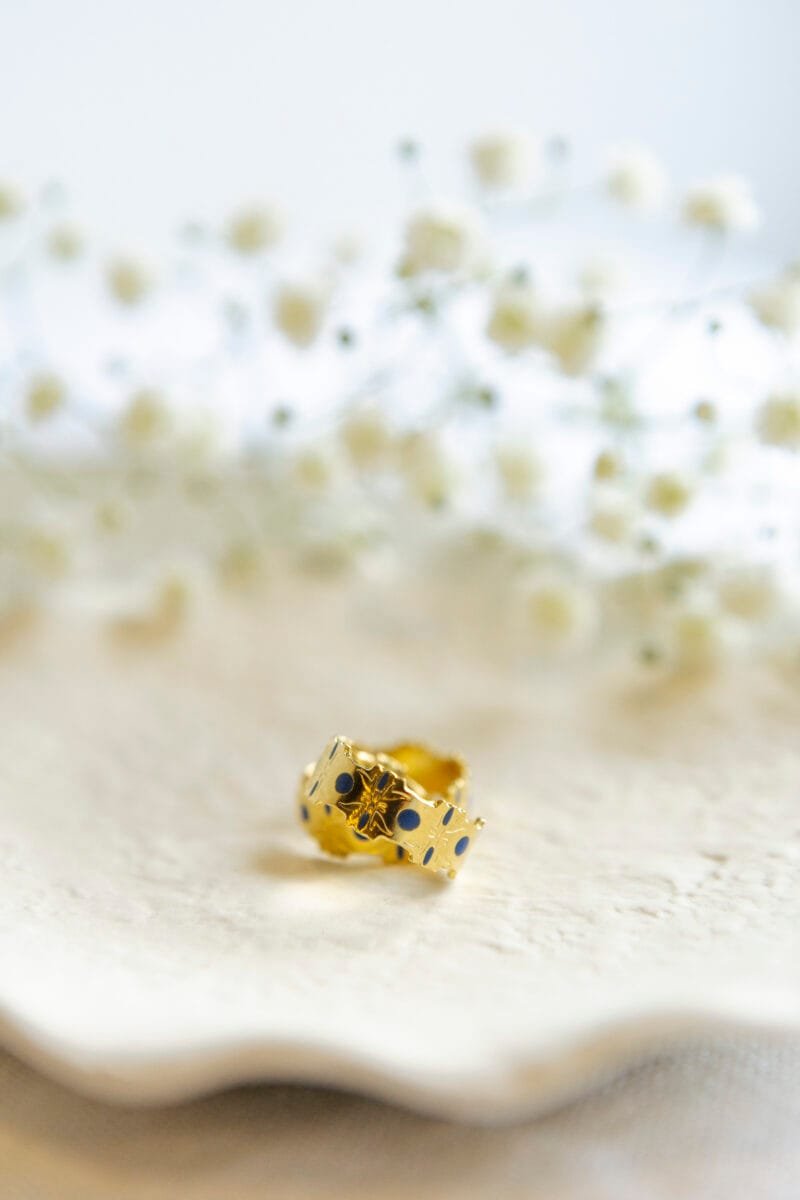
point(608, 439)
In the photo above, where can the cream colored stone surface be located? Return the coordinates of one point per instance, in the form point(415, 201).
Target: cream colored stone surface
point(166, 926)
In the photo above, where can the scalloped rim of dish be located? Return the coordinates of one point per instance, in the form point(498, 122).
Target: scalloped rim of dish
point(538, 1081)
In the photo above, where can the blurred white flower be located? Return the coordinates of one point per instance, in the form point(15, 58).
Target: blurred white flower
point(668, 493)
point(698, 634)
point(608, 465)
point(145, 420)
point(600, 496)
point(603, 275)
point(443, 237)
point(201, 439)
point(428, 469)
point(504, 159)
point(635, 177)
point(299, 310)
point(366, 436)
point(254, 229)
point(560, 614)
point(705, 411)
point(516, 320)
point(778, 420)
point(575, 336)
point(64, 242)
point(724, 204)
point(612, 515)
point(777, 304)
point(315, 468)
point(519, 469)
point(44, 396)
point(129, 280)
point(11, 202)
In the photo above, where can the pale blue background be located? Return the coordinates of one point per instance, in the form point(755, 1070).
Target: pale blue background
point(157, 109)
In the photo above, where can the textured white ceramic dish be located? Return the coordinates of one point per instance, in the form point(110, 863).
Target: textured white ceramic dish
point(166, 927)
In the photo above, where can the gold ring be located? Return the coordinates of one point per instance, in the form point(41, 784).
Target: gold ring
point(405, 804)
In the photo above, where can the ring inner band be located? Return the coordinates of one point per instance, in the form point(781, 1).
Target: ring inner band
point(431, 772)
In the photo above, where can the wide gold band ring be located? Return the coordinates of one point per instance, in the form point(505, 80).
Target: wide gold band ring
point(405, 804)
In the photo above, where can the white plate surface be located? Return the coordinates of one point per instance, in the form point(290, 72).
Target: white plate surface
point(166, 926)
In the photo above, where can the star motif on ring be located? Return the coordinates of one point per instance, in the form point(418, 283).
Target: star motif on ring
point(373, 802)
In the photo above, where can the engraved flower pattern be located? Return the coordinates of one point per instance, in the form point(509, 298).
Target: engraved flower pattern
point(373, 802)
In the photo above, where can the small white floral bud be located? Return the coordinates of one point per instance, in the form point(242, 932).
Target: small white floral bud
point(145, 420)
point(668, 494)
point(299, 311)
point(724, 204)
point(575, 336)
point(254, 229)
point(519, 470)
point(602, 275)
point(504, 159)
point(65, 243)
point(607, 465)
point(201, 441)
point(698, 636)
point(11, 202)
point(516, 320)
point(612, 515)
point(636, 178)
point(45, 395)
point(314, 469)
point(443, 237)
point(705, 411)
point(778, 420)
point(366, 437)
point(429, 472)
point(777, 304)
point(561, 614)
point(128, 280)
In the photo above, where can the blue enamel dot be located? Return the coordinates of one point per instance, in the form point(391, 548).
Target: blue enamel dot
point(362, 820)
point(314, 787)
point(327, 810)
point(461, 845)
point(304, 812)
point(448, 816)
point(401, 852)
point(383, 781)
point(428, 856)
point(408, 819)
point(344, 783)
